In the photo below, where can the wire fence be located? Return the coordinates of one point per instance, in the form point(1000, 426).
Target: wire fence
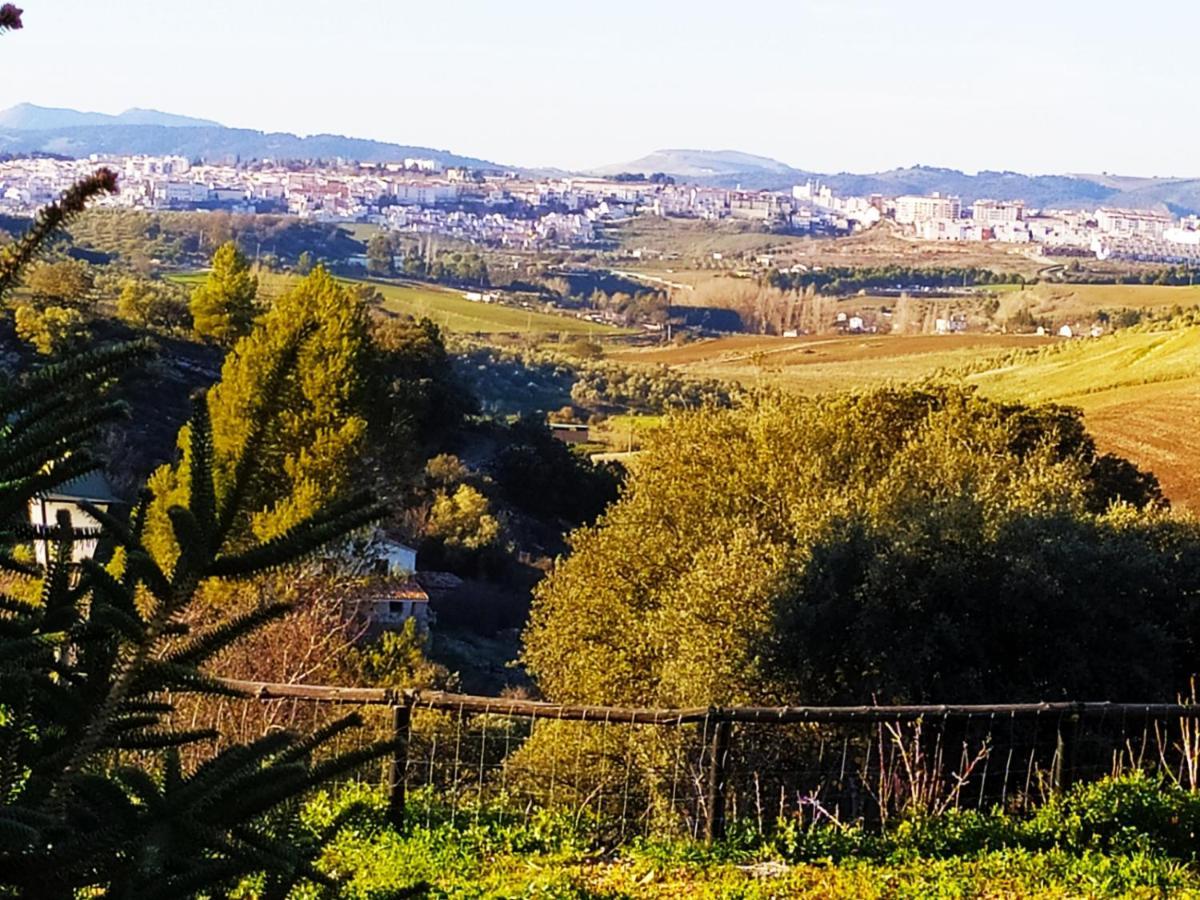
point(625, 771)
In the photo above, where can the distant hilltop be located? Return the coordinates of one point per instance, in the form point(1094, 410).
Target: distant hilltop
point(26, 128)
point(731, 168)
point(28, 117)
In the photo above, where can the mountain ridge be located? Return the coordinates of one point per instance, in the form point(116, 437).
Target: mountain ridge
point(26, 129)
point(31, 117)
point(729, 169)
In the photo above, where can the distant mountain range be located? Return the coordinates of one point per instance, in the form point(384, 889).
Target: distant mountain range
point(27, 128)
point(27, 117)
point(730, 168)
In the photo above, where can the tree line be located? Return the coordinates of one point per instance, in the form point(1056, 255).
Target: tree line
point(851, 279)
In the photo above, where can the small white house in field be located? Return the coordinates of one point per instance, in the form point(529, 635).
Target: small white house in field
point(92, 488)
point(1066, 331)
point(394, 596)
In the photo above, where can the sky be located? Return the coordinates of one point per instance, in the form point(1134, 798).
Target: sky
point(1052, 86)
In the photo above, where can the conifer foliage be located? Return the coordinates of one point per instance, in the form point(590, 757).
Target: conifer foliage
point(223, 305)
point(94, 795)
point(94, 799)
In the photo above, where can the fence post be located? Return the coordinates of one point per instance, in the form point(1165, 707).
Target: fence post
point(401, 720)
point(714, 829)
point(1071, 751)
point(1065, 747)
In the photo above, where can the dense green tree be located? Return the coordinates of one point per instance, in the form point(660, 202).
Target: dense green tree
point(148, 304)
point(463, 533)
point(897, 545)
point(305, 263)
point(307, 455)
point(417, 398)
point(223, 306)
point(379, 255)
point(49, 329)
point(543, 476)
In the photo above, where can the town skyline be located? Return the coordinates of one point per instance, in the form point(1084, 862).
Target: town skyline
point(857, 87)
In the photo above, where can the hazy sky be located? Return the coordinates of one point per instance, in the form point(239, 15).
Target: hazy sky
point(826, 85)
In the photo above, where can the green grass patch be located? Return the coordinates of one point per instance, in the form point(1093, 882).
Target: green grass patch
point(190, 278)
point(1132, 836)
point(453, 312)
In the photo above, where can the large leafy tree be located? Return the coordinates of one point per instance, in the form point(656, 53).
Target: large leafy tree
point(895, 545)
point(223, 305)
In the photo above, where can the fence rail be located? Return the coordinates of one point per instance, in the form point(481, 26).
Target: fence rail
point(474, 703)
point(702, 766)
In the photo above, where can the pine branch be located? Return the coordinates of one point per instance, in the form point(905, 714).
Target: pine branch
point(323, 735)
point(201, 491)
point(204, 646)
point(334, 521)
point(92, 367)
point(160, 740)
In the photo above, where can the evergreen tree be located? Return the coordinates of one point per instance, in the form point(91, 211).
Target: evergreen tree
point(223, 306)
point(312, 349)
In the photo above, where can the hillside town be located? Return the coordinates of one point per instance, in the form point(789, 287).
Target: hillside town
point(519, 211)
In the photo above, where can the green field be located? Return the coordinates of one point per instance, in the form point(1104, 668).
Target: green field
point(453, 312)
point(187, 277)
point(450, 310)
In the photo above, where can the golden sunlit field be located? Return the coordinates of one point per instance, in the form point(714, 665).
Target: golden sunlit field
point(1140, 391)
point(814, 364)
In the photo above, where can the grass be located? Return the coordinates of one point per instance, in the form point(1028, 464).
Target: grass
point(815, 364)
point(190, 278)
point(450, 310)
point(623, 434)
point(1063, 302)
point(1120, 837)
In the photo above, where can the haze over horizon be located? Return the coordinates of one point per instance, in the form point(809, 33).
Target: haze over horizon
point(824, 86)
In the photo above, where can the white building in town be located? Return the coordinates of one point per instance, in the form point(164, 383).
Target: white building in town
point(912, 210)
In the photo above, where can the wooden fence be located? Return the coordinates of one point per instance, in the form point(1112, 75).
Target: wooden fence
point(1164, 736)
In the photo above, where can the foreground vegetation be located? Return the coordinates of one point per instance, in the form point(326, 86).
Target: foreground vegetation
point(1126, 837)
